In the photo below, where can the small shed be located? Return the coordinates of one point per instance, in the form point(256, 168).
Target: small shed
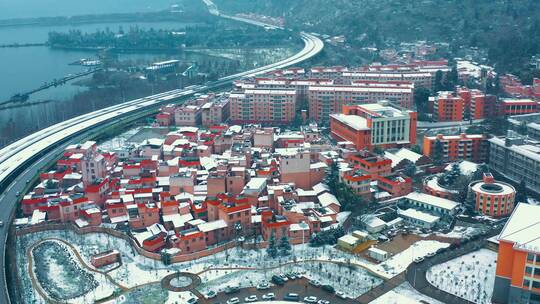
point(378, 254)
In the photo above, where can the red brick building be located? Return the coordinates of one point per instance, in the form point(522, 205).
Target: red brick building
point(372, 125)
point(447, 107)
point(510, 107)
point(473, 147)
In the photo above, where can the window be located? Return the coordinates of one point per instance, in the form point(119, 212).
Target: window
point(528, 270)
point(530, 257)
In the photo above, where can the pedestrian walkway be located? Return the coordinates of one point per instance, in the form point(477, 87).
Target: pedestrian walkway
point(385, 287)
point(416, 273)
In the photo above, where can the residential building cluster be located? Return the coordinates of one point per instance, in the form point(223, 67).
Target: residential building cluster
point(513, 86)
point(203, 110)
point(469, 104)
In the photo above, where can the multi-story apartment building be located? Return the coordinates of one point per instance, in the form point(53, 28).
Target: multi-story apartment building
point(187, 115)
point(447, 107)
point(477, 103)
point(215, 112)
point(516, 158)
point(263, 106)
point(473, 147)
point(376, 124)
point(326, 100)
point(517, 276)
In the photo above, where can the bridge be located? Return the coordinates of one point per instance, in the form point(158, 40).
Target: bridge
point(21, 97)
point(22, 160)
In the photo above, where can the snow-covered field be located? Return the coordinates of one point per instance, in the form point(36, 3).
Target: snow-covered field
point(404, 294)
point(470, 276)
point(137, 270)
point(399, 262)
point(460, 232)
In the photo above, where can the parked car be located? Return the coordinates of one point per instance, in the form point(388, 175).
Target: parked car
point(323, 302)
point(277, 280)
point(283, 277)
point(211, 294)
point(328, 288)
point(269, 296)
point(291, 297)
point(341, 295)
point(192, 300)
point(1, 224)
point(315, 283)
point(419, 260)
point(231, 289)
point(263, 286)
point(310, 299)
point(251, 298)
point(233, 301)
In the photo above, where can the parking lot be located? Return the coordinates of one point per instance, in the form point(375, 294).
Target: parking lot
point(299, 286)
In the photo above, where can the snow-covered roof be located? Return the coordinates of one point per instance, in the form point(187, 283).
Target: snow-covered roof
point(427, 199)
point(210, 226)
point(326, 199)
point(377, 251)
point(353, 121)
point(298, 227)
point(374, 222)
point(320, 187)
point(348, 239)
point(119, 219)
point(523, 228)
point(419, 215)
point(177, 219)
point(466, 167)
point(401, 154)
point(38, 217)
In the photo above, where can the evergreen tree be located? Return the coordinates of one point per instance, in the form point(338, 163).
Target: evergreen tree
point(521, 192)
point(284, 246)
point(437, 155)
point(271, 250)
point(409, 169)
point(438, 86)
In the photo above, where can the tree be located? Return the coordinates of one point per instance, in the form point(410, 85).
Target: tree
point(438, 85)
point(437, 155)
point(271, 250)
point(416, 149)
point(452, 78)
point(421, 99)
point(409, 169)
point(284, 246)
point(521, 192)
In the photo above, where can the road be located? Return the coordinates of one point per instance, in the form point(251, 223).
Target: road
point(23, 159)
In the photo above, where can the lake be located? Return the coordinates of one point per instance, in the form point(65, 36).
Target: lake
point(44, 63)
point(10, 9)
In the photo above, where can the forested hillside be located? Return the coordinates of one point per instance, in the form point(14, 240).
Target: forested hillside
point(508, 29)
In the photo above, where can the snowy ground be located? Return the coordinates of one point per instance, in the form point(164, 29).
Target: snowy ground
point(470, 276)
point(118, 141)
point(460, 232)
point(399, 262)
point(404, 294)
point(137, 270)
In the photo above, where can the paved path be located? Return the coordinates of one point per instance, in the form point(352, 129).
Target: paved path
point(195, 281)
point(416, 273)
point(385, 287)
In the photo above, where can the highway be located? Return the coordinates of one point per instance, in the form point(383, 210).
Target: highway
point(22, 160)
